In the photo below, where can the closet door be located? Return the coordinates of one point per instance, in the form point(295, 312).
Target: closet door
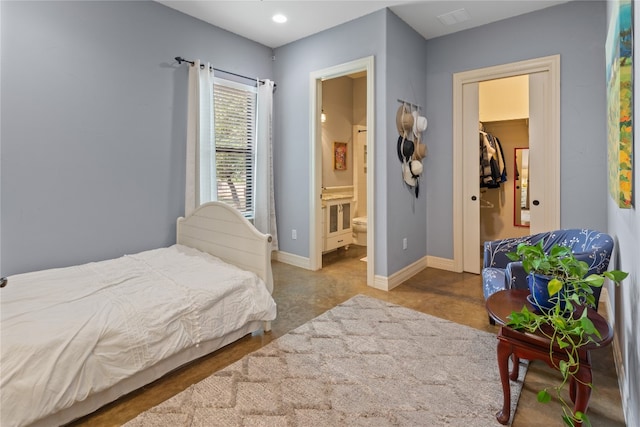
point(471, 180)
point(544, 158)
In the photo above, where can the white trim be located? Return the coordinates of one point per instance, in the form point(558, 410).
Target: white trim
point(607, 309)
point(235, 85)
point(440, 263)
point(315, 173)
point(315, 150)
point(291, 259)
point(400, 276)
point(549, 64)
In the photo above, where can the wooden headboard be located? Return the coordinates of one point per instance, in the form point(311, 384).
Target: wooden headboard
point(222, 231)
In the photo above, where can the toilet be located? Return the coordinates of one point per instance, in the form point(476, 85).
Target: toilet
point(360, 231)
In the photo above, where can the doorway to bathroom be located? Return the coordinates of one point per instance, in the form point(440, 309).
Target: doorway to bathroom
point(342, 162)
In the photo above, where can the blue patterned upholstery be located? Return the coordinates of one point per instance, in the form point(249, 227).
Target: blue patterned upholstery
point(499, 272)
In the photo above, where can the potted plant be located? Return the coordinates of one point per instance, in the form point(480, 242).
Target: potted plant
point(569, 287)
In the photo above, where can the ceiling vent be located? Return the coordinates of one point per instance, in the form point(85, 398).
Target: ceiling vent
point(454, 17)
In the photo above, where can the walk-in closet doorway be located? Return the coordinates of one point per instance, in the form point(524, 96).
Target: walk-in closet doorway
point(504, 145)
point(544, 153)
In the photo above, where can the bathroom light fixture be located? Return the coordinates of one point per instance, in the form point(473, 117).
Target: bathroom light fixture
point(279, 18)
point(323, 116)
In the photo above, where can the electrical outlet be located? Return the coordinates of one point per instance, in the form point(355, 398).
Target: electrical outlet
point(404, 243)
point(294, 234)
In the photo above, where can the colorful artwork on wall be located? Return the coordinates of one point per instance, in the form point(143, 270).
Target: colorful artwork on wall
point(340, 156)
point(619, 68)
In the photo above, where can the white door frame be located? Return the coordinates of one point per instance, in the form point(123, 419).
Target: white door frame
point(550, 64)
point(315, 150)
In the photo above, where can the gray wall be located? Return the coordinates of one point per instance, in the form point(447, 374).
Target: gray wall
point(400, 67)
point(292, 67)
point(406, 69)
point(88, 178)
point(575, 30)
point(94, 124)
point(337, 104)
point(93, 116)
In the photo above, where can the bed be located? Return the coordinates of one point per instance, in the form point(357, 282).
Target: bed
point(76, 338)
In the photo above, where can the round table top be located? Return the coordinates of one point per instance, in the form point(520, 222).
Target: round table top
point(501, 304)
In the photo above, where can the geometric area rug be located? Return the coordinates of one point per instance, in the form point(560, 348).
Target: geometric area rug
point(365, 362)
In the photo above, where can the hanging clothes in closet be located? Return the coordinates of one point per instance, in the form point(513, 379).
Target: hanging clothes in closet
point(493, 170)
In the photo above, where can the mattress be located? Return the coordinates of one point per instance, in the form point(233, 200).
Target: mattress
point(69, 333)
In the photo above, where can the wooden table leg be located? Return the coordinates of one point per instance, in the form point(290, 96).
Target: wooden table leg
point(582, 386)
point(504, 351)
point(515, 370)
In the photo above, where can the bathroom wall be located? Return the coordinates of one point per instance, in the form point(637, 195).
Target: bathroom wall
point(337, 104)
point(360, 101)
point(360, 143)
point(344, 103)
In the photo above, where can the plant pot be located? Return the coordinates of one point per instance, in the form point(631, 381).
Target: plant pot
point(539, 293)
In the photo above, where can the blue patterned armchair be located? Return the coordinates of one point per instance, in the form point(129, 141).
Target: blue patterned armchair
point(499, 272)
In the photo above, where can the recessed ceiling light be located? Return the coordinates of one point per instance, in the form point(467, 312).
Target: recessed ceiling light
point(279, 18)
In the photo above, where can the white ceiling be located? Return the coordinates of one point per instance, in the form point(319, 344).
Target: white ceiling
point(252, 18)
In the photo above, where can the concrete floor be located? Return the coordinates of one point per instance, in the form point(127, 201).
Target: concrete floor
point(302, 295)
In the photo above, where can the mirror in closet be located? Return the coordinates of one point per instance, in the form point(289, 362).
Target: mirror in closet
point(521, 215)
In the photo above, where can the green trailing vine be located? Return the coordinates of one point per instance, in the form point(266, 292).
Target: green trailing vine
point(569, 289)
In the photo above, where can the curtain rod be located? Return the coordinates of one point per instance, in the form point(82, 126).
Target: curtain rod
point(181, 60)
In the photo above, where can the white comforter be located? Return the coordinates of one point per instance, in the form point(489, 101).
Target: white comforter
point(70, 332)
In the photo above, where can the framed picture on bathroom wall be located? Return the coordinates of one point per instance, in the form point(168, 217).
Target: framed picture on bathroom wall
point(340, 156)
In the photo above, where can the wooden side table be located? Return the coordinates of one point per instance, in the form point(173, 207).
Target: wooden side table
point(535, 346)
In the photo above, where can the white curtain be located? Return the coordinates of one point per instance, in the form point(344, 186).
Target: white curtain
point(265, 208)
point(201, 175)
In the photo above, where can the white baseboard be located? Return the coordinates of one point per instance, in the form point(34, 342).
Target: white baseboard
point(604, 302)
point(379, 282)
point(605, 305)
point(397, 278)
point(441, 263)
point(291, 259)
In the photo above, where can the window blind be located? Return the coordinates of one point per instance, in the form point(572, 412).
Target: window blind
point(234, 123)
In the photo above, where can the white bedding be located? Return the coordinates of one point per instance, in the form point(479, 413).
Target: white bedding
point(68, 333)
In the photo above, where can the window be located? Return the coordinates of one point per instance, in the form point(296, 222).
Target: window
point(234, 120)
